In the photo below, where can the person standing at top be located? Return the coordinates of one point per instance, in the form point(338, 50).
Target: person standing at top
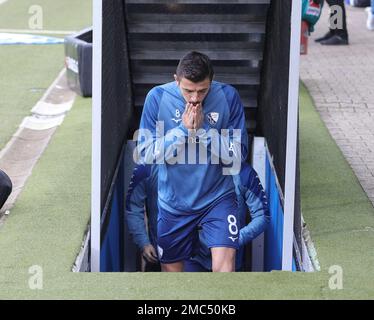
point(338, 32)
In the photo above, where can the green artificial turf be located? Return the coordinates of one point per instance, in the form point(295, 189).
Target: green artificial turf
point(26, 72)
point(46, 228)
point(67, 15)
point(338, 213)
point(47, 224)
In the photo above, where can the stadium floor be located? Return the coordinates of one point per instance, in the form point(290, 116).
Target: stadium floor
point(47, 224)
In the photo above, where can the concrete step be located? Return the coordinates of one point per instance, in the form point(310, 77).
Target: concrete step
point(225, 54)
point(213, 2)
point(239, 79)
point(138, 67)
point(197, 27)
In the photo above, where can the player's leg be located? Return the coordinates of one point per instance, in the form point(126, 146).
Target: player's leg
point(191, 265)
point(223, 259)
point(176, 234)
point(220, 229)
point(172, 267)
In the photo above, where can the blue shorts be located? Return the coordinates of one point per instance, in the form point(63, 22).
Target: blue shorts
point(178, 237)
point(193, 266)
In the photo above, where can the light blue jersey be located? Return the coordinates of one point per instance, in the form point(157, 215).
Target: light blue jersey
point(142, 196)
point(186, 188)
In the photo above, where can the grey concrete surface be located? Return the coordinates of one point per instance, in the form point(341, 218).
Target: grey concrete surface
point(340, 80)
point(24, 149)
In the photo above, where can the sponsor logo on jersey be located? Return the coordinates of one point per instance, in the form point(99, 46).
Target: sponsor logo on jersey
point(212, 118)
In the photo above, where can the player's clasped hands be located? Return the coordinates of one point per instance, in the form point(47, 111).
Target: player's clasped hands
point(193, 116)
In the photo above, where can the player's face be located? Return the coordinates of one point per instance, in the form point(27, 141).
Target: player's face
point(192, 92)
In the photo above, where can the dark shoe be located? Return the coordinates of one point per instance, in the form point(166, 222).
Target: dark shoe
point(328, 35)
point(335, 41)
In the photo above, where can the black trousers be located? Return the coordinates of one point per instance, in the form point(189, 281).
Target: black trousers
point(5, 187)
point(340, 3)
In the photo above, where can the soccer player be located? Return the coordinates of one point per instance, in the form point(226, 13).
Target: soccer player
point(205, 133)
point(141, 206)
point(142, 196)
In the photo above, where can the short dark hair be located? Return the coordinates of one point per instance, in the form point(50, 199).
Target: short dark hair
point(195, 66)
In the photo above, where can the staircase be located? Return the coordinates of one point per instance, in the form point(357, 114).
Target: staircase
point(231, 33)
